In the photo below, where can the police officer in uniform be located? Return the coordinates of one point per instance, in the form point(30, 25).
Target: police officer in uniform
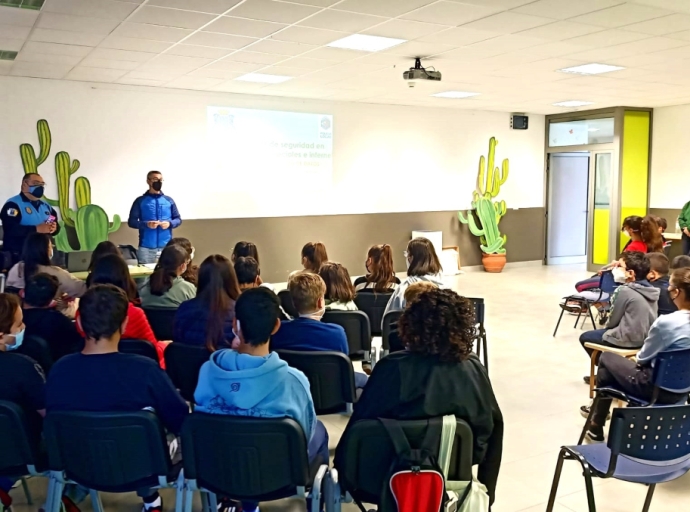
point(26, 213)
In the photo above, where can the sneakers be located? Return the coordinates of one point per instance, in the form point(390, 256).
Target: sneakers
point(153, 506)
point(158, 508)
point(595, 433)
point(228, 505)
point(587, 379)
point(584, 411)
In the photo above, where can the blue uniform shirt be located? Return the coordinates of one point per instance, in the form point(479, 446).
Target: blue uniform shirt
point(20, 216)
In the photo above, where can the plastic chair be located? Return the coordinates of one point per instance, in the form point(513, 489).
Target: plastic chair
point(161, 320)
point(286, 303)
point(671, 373)
point(250, 459)
point(109, 452)
point(482, 343)
point(139, 347)
point(19, 455)
point(597, 350)
point(357, 330)
point(373, 304)
point(587, 299)
point(646, 445)
point(390, 341)
point(370, 452)
point(331, 378)
point(182, 364)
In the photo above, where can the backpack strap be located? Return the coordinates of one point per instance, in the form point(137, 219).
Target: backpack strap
point(397, 436)
point(433, 433)
point(446, 448)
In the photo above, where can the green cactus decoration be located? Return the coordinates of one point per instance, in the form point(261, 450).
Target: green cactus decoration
point(91, 223)
point(63, 172)
point(62, 240)
point(82, 190)
point(29, 159)
point(489, 181)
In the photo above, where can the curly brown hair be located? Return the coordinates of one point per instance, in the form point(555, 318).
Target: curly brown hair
point(439, 322)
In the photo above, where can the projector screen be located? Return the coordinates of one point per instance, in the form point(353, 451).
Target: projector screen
point(277, 150)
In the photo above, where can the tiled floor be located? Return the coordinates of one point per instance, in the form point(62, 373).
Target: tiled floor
point(538, 382)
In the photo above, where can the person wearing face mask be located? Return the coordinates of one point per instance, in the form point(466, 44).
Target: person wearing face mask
point(191, 275)
point(27, 213)
point(166, 288)
point(669, 332)
point(307, 332)
point(658, 277)
point(155, 215)
point(633, 306)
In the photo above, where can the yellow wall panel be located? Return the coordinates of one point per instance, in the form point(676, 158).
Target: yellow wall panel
point(600, 242)
point(635, 166)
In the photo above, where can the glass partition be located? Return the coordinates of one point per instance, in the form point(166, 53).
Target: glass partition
point(580, 133)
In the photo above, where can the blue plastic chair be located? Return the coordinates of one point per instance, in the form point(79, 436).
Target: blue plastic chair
point(647, 445)
point(587, 299)
point(671, 373)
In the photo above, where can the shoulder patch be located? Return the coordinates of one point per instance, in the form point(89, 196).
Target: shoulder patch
point(12, 212)
point(28, 210)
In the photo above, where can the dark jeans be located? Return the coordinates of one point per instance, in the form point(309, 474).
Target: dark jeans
point(625, 375)
point(685, 243)
point(361, 380)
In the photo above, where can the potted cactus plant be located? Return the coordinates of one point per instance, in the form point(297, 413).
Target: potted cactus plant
point(489, 212)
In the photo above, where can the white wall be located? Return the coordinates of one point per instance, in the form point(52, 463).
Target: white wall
point(386, 158)
point(670, 172)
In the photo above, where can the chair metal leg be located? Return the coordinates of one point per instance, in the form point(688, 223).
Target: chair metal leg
point(577, 320)
point(188, 497)
point(212, 502)
point(486, 351)
point(204, 502)
point(591, 317)
point(590, 489)
point(180, 487)
point(556, 481)
point(648, 499)
point(588, 421)
point(96, 501)
point(56, 487)
point(27, 492)
point(592, 374)
point(558, 323)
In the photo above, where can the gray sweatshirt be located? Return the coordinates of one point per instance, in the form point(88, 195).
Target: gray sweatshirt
point(634, 309)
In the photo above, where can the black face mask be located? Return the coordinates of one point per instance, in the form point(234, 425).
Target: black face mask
point(36, 191)
point(157, 186)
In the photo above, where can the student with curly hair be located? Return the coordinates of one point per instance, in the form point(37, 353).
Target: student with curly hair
point(437, 375)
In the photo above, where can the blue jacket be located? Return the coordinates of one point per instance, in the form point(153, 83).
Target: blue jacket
point(154, 207)
point(307, 334)
point(260, 387)
point(190, 322)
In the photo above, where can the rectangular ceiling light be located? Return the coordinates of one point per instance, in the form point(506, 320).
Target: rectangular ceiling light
point(7, 55)
point(455, 94)
point(365, 43)
point(23, 4)
point(263, 78)
point(591, 69)
point(572, 103)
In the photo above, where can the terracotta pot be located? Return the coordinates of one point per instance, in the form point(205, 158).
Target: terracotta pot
point(494, 262)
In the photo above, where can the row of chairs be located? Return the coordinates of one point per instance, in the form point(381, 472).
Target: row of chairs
point(250, 459)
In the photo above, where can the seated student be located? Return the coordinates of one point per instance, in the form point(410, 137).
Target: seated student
point(101, 379)
point(102, 249)
point(340, 293)
point(633, 306)
point(247, 250)
point(380, 276)
point(313, 256)
point(413, 292)
point(436, 375)
point(682, 261)
point(669, 332)
point(247, 271)
point(267, 386)
point(166, 288)
point(658, 278)
point(422, 265)
point(207, 319)
point(44, 321)
point(191, 274)
point(307, 332)
point(663, 226)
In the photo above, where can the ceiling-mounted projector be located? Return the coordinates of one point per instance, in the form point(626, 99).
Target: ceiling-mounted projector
point(418, 73)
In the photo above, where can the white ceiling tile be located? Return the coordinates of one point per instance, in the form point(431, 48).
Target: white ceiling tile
point(555, 49)
point(194, 82)
point(244, 27)
point(316, 3)
point(5, 67)
point(268, 10)
point(680, 52)
point(404, 29)
point(139, 81)
point(672, 5)
point(662, 26)
point(309, 64)
point(45, 35)
point(564, 9)
point(130, 43)
point(342, 20)
point(281, 47)
point(153, 75)
point(179, 61)
point(413, 49)
point(239, 68)
point(337, 54)
point(37, 70)
point(67, 60)
point(315, 36)
point(390, 8)
point(252, 58)
point(560, 30)
point(20, 17)
point(451, 13)
point(506, 43)
point(207, 6)
point(620, 15)
point(652, 44)
point(86, 74)
point(219, 40)
point(508, 22)
point(606, 38)
point(108, 63)
point(56, 21)
point(14, 31)
point(57, 49)
point(171, 17)
point(284, 71)
point(107, 53)
point(96, 8)
point(154, 32)
point(460, 36)
point(240, 87)
point(206, 52)
point(208, 72)
point(11, 45)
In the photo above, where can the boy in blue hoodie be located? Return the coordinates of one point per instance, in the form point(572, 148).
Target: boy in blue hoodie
point(250, 381)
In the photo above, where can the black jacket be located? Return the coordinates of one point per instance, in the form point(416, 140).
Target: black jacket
point(666, 305)
point(406, 385)
point(58, 331)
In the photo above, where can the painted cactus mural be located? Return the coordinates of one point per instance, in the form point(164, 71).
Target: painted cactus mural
point(90, 222)
point(489, 213)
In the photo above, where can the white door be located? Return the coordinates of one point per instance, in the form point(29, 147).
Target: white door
point(567, 208)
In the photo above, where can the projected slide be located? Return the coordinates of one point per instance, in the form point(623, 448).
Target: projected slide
point(270, 148)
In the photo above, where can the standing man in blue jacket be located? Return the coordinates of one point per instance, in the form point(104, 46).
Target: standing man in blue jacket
point(155, 215)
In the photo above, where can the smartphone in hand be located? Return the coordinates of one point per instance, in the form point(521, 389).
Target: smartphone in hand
point(51, 219)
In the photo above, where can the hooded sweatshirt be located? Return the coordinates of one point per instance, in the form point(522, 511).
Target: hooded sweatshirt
point(633, 311)
point(260, 387)
point(397, 300)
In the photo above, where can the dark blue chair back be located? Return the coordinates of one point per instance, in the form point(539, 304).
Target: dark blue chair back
point(139, 347)
point(16, 450)
point(479, 309)
point(607, 284)
point(672, 371)
point(373, 305)
point(357, 330)
point(390, 341)
point(161, 320)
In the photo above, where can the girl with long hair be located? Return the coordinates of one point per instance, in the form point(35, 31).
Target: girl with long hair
point(313, 256)
point(380, 276)
point(190, 275)
point(166, 287)
point(340, 293)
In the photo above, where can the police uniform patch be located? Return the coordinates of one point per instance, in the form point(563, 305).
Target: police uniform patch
point(28, 210)
point(12, 212)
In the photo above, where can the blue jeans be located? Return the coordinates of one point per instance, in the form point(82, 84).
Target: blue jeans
point(361, 380)
point(146, 255)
